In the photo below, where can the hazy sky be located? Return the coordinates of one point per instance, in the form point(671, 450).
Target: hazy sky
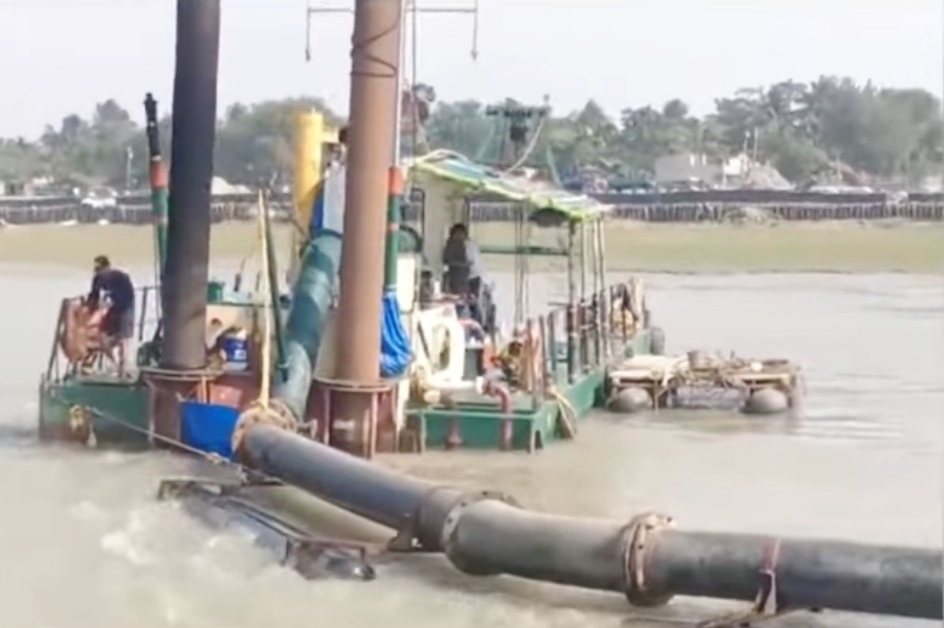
point(60, 56)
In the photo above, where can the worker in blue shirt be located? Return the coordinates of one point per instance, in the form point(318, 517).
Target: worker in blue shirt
point(118, 323)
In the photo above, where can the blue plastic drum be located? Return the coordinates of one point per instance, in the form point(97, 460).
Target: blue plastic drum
point(236, 350)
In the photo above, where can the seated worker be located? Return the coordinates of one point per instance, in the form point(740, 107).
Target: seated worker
point(464, 275)
point(118, 323)
point(463, 263)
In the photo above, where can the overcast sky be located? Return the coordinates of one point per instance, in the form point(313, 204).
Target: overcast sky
point(61, 56)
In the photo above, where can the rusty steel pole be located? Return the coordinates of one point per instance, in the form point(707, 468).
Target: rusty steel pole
point(375, 60)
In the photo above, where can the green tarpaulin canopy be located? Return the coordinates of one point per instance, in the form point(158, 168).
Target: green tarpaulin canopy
point(480, 179)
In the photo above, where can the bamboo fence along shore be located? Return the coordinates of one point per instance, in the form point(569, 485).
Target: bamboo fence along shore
point(243, 209)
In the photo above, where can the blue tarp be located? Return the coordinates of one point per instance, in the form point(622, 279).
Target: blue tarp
point(208, 427)
point(395, 348)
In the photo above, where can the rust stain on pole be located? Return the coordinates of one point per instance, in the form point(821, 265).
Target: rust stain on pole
point(375, 58)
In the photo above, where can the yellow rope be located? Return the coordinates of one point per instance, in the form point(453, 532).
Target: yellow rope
point(265, 302)
point(529, 361)
point(264, 410)
point(568, 413)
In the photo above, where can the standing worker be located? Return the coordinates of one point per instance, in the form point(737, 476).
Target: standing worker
point(118, 322)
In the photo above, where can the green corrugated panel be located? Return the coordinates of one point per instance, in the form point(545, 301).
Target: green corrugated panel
point(541, 196)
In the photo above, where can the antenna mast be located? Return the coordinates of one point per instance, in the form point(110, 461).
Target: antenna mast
point(412, 8)
point(411, 11)
point(516, 122)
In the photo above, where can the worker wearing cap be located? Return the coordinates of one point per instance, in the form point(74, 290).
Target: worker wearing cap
point(118, 323)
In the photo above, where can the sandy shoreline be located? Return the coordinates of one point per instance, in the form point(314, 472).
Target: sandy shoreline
point(848, 247)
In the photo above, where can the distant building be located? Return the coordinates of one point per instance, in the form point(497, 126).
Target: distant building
point(220, 186)
point(731, 172)
point(738, 171)
point(687, 167)
point(15, 188)
point(932, 184)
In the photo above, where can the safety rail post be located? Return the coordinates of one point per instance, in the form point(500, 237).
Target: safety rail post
point(595, 327)
point(570, 320)
point(552, 344)
point(141, 319)
point(624, 306)
point(583, 330)
point(547, 360)
point(572, 351)
point(613, 292)
point(535, 367)
point(52, 366)
point(605, 312)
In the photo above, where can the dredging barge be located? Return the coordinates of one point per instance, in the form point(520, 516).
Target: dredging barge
point(325, 416)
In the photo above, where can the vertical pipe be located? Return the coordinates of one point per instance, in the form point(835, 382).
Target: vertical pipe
point(184, 290)
point(309, 138)
point(393, 229)
point(374, 67)
point(158, 181)
point(401, 84)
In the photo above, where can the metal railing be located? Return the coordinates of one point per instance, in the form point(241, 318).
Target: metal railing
point(59, 366)
point(574, 339)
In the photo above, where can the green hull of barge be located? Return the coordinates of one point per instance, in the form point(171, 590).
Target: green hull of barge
point(123, 405)
point(125, 401)
point(477, 423)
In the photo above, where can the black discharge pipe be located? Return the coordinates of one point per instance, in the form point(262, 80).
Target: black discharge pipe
point(193, 137)
point(648, 561)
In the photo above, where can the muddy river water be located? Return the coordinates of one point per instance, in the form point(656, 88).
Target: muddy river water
point(85, 546)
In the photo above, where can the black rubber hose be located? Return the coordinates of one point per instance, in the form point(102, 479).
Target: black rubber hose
point(491, 537)
point(810, 573)
point(485, 534)
point(345, 481)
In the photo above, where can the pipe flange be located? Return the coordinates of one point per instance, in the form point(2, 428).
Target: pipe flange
point(638, 539)
point(447, 539)
point(408, 538)
point(276, 414)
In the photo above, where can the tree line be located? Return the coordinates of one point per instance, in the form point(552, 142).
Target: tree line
point(810, 132)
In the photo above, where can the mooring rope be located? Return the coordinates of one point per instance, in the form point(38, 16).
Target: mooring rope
point(248, 474)
point(568, 413)
point(80, 419)
point(264, 410)
point(266, 303)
